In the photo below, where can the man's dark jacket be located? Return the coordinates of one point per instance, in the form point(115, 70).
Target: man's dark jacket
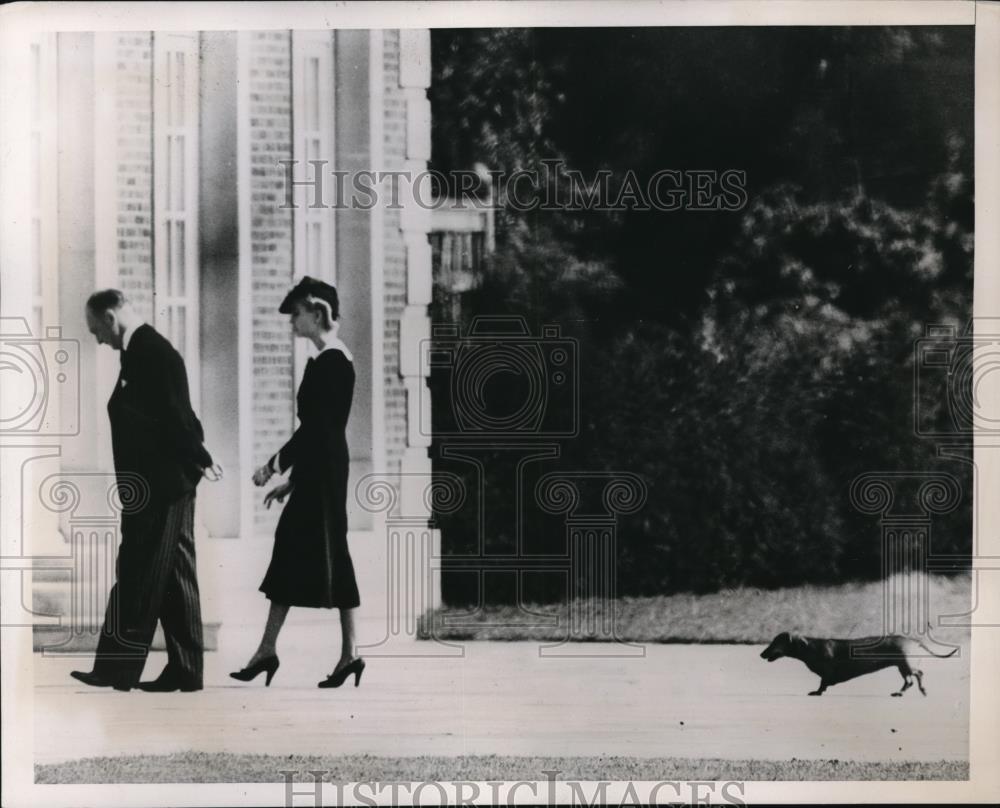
point(154, 432)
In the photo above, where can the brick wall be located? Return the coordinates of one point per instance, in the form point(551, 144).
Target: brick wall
point(271, 229)
point(271, 245)
point(394, 272)
point(134, 110)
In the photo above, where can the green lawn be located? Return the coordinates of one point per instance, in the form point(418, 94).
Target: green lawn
point(743, 615)
point(202, 767)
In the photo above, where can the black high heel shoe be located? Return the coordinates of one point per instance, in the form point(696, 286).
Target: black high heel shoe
point(337, 678)
point(249, 673)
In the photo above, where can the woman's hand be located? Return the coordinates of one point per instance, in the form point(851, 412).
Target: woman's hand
point(279, 493)
point(262, 475)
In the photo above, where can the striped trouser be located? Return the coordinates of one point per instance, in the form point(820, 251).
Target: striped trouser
point(157, 580)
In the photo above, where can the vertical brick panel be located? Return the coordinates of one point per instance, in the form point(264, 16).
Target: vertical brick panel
point(395, 258)
point(134, 182)
point(270, 130)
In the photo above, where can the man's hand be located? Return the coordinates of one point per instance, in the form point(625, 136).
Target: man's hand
point(279, 493)
point(262, 475)
point(213, 473)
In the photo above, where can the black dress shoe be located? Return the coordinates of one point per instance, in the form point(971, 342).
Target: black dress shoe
point(96, 680)
point(168, 682)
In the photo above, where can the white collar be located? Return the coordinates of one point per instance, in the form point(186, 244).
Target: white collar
point(333, 344)
point(127, 335)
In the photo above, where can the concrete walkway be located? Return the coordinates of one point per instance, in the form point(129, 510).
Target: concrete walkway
point(502, 698)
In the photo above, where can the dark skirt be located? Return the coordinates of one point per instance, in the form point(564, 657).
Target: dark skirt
point(311, 564)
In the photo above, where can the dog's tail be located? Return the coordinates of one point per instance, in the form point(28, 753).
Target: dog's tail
point(951, 653)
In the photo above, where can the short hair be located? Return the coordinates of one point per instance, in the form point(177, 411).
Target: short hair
point(323, 307)
point(106, 300)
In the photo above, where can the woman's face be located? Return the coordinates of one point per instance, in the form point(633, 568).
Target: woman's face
point(305, 323)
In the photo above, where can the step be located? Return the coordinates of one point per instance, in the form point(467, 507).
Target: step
point(59, 639)
point(50, 599)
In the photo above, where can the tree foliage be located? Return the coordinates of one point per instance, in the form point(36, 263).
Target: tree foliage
point(748, 365)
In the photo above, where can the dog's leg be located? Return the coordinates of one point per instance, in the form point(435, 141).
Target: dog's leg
point(920, 681)
point(822, 686)
point(907, 682)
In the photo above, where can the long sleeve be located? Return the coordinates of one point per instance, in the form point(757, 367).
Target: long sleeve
point(284, 458)
point(154, 430)
point(324, 402)
point(183, 429)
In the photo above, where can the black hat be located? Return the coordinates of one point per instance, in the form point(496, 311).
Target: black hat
point(310, 287)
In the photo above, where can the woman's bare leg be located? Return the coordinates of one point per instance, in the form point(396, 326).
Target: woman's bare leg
point(268, 643)
point(347, 638)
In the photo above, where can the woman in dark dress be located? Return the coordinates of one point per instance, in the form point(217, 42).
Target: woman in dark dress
point(311, 564)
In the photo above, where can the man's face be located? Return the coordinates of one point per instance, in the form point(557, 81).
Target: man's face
point(104, 327)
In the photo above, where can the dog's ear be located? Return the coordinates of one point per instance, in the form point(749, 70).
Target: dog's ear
point(784, 637)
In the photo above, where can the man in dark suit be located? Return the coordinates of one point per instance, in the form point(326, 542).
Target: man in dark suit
point(159, 456)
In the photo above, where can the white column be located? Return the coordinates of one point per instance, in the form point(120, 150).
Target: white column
point(244, 315)
point(106, 362)
point(15, 302)
point(376, 118)
point(14, 163)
